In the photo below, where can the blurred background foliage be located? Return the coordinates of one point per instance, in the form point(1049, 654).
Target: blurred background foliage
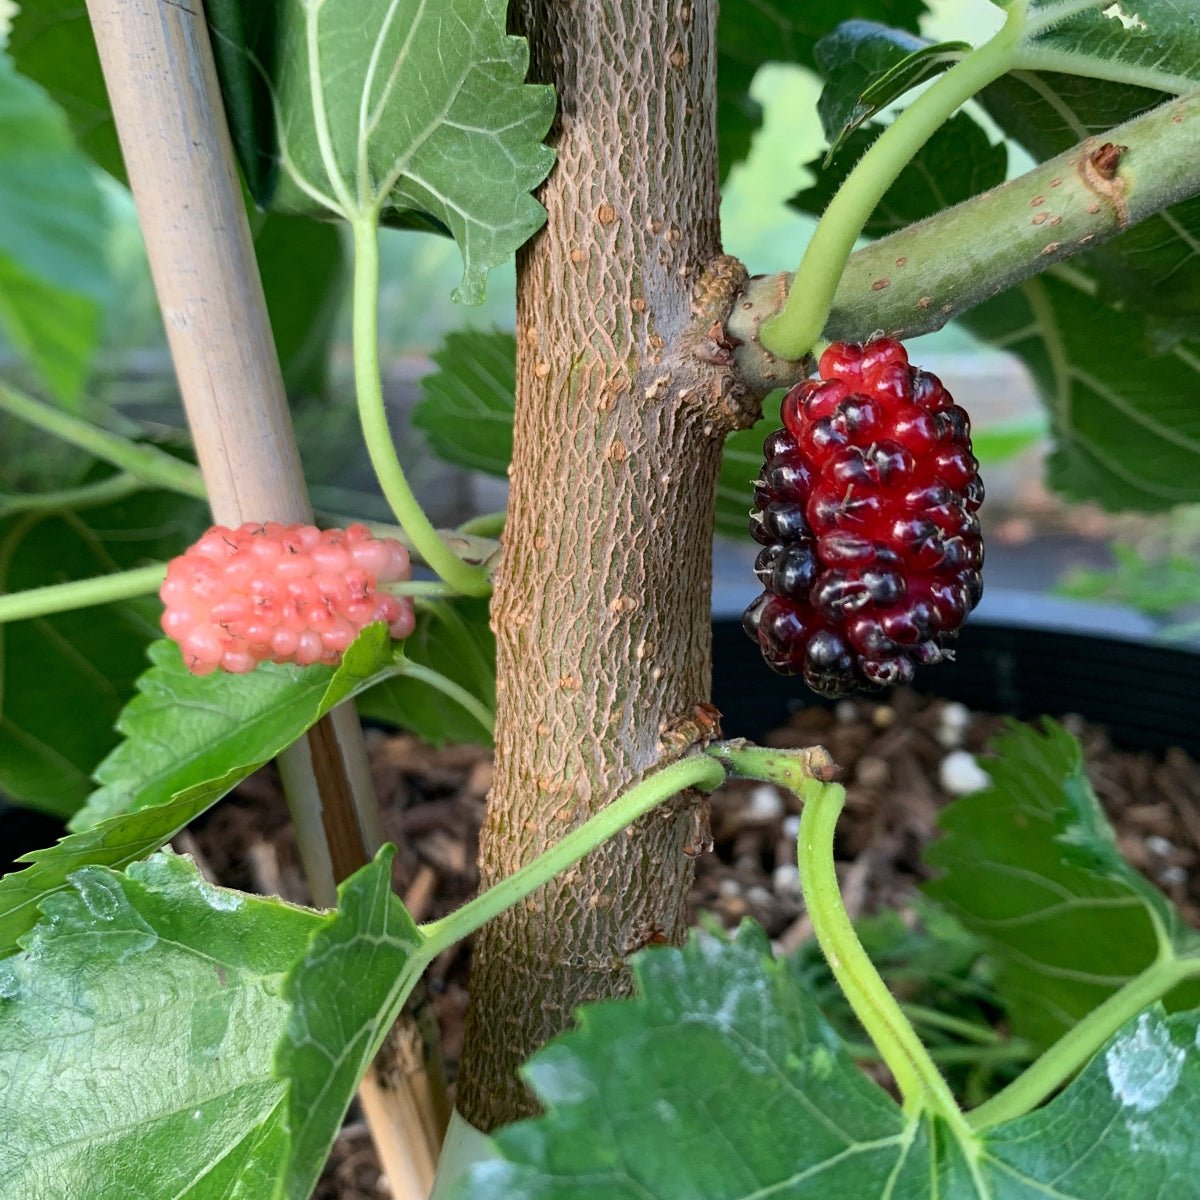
point(124, 369)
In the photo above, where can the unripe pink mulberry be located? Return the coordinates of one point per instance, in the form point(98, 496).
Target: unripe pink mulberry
point(288, 593)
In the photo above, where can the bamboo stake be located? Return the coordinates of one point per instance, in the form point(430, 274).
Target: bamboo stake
point(166, 102)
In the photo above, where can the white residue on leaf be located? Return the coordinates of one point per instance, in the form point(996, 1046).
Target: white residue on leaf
point(100, 896)
point(222, 899)
point(742, 1001)
point(1144, 1066)
point(1143, 1139)
point(1129, 21)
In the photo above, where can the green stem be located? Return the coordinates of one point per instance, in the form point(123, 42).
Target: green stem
point(147, 463)
point(799, 771)
point(471, 548)
point(967, 1030)
point(471, 581)
point(81, 593)
point(921, 1084)
point(483, 666)
point(1076, 1048)
point(792, 332)
point(484, 525)
point(954, 1056)
point(420, 587)
point(695, 771)
point(460, 695)
point(88, 495)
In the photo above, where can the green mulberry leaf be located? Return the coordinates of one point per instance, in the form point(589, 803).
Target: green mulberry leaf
point(418, 112)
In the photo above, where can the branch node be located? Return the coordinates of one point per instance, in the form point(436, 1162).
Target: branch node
point(821, 765)
point(707, 350)
point(758, 370)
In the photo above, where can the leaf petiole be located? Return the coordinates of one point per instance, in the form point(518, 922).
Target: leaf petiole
point(794, 330)
point(921, 1084)
point(87, 495)
point(81, 593)
point(149, 464)
point(1076, 1048)
point(450, 689)
point(462, 577)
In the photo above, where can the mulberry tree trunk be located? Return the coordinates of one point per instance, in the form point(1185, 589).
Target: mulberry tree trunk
point(602, 606)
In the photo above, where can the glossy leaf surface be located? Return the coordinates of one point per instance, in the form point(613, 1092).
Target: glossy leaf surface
point(186, 746)
point(868, 66)
point(1031, 866)
point(137, 1031)
point(721, 1081)
point(418, 112)
point(753, 32)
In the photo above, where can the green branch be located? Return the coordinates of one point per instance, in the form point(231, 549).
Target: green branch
point(151, 465)
point(450, 689)
point(87, 495)
point(806, 773)
point(424, 588)
point(469, 580)
point(471, 548)
point(485, 525)
point(964, 255)
point(482, 666)
point(1076, 1048)
point(81, 593)
point(793, 332)
point(696, 771)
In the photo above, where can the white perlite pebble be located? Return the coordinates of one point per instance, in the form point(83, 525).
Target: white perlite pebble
point(729, 887)
point(961, 774)
point(845, 712)
point(763, 805)
point(791, 826)
point(952, 724)
point(1159, 845)
point(758, 895)
point(786, 880)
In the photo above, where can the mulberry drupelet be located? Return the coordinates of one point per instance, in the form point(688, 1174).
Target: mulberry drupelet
point(866, 510)
point(288, 593)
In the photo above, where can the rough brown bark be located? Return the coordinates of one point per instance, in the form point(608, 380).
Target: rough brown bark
point(602, 607)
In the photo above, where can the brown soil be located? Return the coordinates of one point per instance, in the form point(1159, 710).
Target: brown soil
point(891, 754)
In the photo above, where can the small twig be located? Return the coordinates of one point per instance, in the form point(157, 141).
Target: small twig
point(185, 843)
point(264, 868)
point(420, 892)
point(1013, 231)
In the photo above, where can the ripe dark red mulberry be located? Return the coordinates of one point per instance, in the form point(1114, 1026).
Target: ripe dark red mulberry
point(866, 511)
point(288, 593)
